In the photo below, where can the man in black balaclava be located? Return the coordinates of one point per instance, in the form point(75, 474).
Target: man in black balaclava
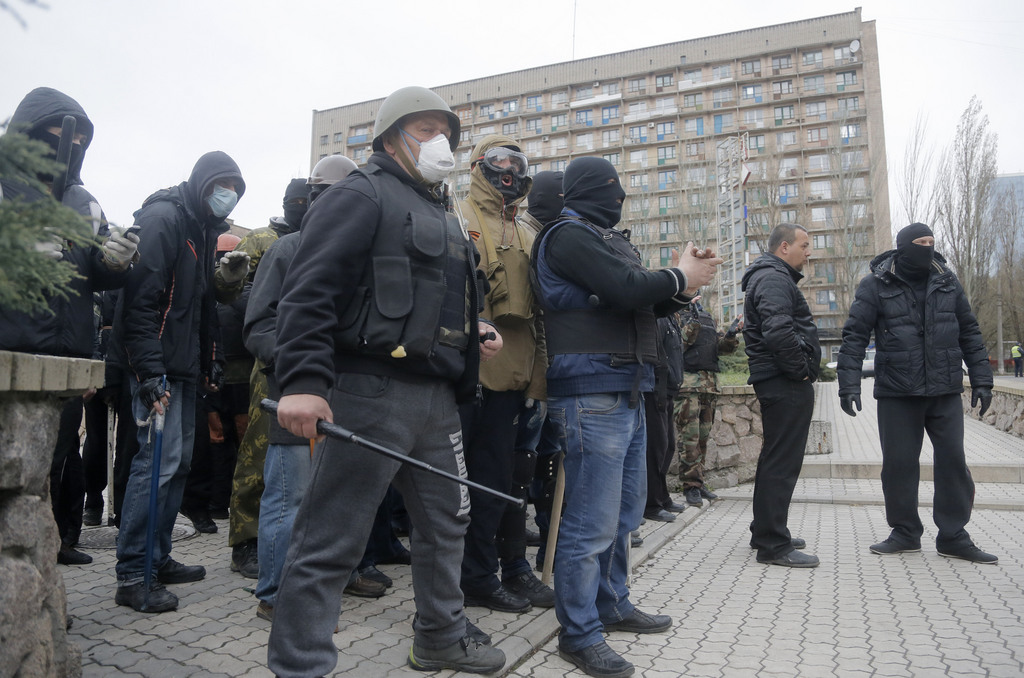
point(600, 305)
point(545, 200)
point(923, 325)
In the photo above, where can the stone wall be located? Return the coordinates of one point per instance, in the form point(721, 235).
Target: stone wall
point(33, 606)
point(1006, 412)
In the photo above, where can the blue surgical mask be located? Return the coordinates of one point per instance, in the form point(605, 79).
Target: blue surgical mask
point(222, 201)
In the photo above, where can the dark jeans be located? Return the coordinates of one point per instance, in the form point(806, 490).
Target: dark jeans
point(1018, 367)
point(489, 431)
point(661, 444)
point(902, 423)
point(67, 482)
point(786, 408)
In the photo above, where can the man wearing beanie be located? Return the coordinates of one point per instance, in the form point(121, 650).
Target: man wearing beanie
point(923, 327)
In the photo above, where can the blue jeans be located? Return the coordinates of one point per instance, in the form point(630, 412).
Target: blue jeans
point(605, 493)
point(285, 478)
point(175, 460)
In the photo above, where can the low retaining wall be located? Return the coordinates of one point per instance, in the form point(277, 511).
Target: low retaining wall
point(1007, 410)
point(33, 606)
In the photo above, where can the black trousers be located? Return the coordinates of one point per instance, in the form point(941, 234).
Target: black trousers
point(786, 408)
point(67, 481)
point(902, 423)
point(661, 445)
point(489, 434)
point(1018, 367)
point(94, 449)
point(125, 447)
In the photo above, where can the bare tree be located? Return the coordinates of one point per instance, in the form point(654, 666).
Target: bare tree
point(6, 7)
point(963, 188)
point(914, 178)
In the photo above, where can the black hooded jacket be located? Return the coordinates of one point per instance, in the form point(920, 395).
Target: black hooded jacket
point(70, 329)
point(918, 351)
point(166, 322)
point(779, 332)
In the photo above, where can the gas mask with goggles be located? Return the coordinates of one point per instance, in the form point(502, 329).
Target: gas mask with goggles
point(505, 169)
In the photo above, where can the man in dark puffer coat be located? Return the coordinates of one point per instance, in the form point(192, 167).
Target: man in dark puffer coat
point(923, 328)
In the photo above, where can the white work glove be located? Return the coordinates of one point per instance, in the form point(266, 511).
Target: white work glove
point(234, 266)
point(51, 248)
point(121, 249)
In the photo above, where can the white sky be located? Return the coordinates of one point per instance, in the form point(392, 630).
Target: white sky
point(166, 82)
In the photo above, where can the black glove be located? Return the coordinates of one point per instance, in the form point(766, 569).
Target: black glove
point(152, 390)
point(984, 394)
point(847, 402)
point(215, 381)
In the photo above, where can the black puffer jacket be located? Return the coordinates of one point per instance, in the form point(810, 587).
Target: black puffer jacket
point(166, 322)
point(70, 328)
point(918, 352)
point(779, 331)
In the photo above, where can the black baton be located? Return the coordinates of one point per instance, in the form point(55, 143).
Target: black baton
point(67, 140)
point(342, 433)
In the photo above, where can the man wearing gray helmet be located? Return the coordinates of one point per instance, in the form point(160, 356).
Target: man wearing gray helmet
point(378, 331)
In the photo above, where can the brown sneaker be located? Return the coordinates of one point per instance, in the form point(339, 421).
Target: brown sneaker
point(361, 587)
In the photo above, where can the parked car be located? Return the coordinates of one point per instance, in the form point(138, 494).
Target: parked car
point(867, 368)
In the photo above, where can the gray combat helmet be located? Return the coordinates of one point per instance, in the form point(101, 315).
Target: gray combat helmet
point(330, 170)
point(401, 103)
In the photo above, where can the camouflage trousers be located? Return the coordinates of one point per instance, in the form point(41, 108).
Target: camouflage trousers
point(247, 484)
point(694, 415)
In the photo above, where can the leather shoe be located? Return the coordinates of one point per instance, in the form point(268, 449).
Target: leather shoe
point(532, 538)
point(707, 494)
point(597, 660)
point(692, 495)
point(971, 553)
point(134, 596)
point(361, 587)
point(640, 622)
point(891, 546)
point(660, 515)
point(501, 600)
point(792, 559)
point(174, 572)
point(526, 585)
point(373, 574)
point(202, 521)
point(674, 507)
point(71, 556)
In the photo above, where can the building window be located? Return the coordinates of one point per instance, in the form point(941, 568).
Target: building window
point(638, 133)
point(845, 79)
point(754, 117)
point(782, 87)
point(584, 93)
point(852, 160)
point(610, 136)
point(821, 190)
point(666, 153)
point(721, 72)
point(817, 134)
point(783, 113)
point(558, 165)
point(609, 113)
point(532, 147)
point(585, 117)
point(667, 227)
point(585, 141)
point(842, 55)
point(693, 76)
point(664, 104)
point(484, 131)
point(847, 132)
point(813, 59)
point(560, 143)
point(781, 62)
point(824, 297)
point(694, 125)
point(751, 67)
point(752, 92)
point(816, 110)
point(613, 158)
point(724, 121)
point(664, 128)
point(820, 214)
point(696, 176)
point(560, 120)
point(510, 129)
point(637, 86)
point(662, 81)
point(666, 202)
point(465, 114)
point(815, 84)
point(533, 125)
point(533, 103)
point(359, 156)
point(638, 157)
point(325, 139)
point(666, 179)
point(818, 163)
point(487, 110)
point(695, 149)
point(532, 170)
point(848, 104)
point(510, 106)
point(639, 205)
point(788, 168)
point(722, 96)
point(610, 88)
point(638, 181)
point(338, 137)
point(691, 100)
point(788, 192)
point(637, 107)
point(559, 98)
point(788, 216)
point(756, 142)
point(465, 136)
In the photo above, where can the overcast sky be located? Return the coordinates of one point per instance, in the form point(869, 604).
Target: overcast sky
point(166, 82)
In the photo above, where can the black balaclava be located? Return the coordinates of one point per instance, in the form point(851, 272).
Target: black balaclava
point(592, 190)
point(545, 200)
point(296, 202)
point(913, 262)
point(505, 182)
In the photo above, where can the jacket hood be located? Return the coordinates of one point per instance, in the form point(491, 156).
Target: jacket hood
point(770, 261)
point(480, 189)
point(46, 107)
point(545, 199)
point(209, 168)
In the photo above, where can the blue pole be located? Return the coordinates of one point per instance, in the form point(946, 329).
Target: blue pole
point(154, 490)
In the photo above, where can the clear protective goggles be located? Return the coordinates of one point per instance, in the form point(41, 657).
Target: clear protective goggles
point(501, 159)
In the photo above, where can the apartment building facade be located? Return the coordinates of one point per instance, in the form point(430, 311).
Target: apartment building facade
point(716, 140)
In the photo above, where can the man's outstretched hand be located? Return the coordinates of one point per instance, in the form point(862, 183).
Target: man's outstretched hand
point(848, 401)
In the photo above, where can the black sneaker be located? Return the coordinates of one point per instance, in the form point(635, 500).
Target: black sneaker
point(174, 572)
point(201, 520)
point(500, 600)
point(532, 538)
point(597, 660)
point(971, 553)
point(891, 546)
point(92, 516)
point(693, 497)
point(70, 556)
point(707, 494)
point(373, 574)
point(466, 655)
point(635, 540)
point(792, 559)
point(245, 560)
point(526, 585)
point(640, 622)
point(134, 596)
